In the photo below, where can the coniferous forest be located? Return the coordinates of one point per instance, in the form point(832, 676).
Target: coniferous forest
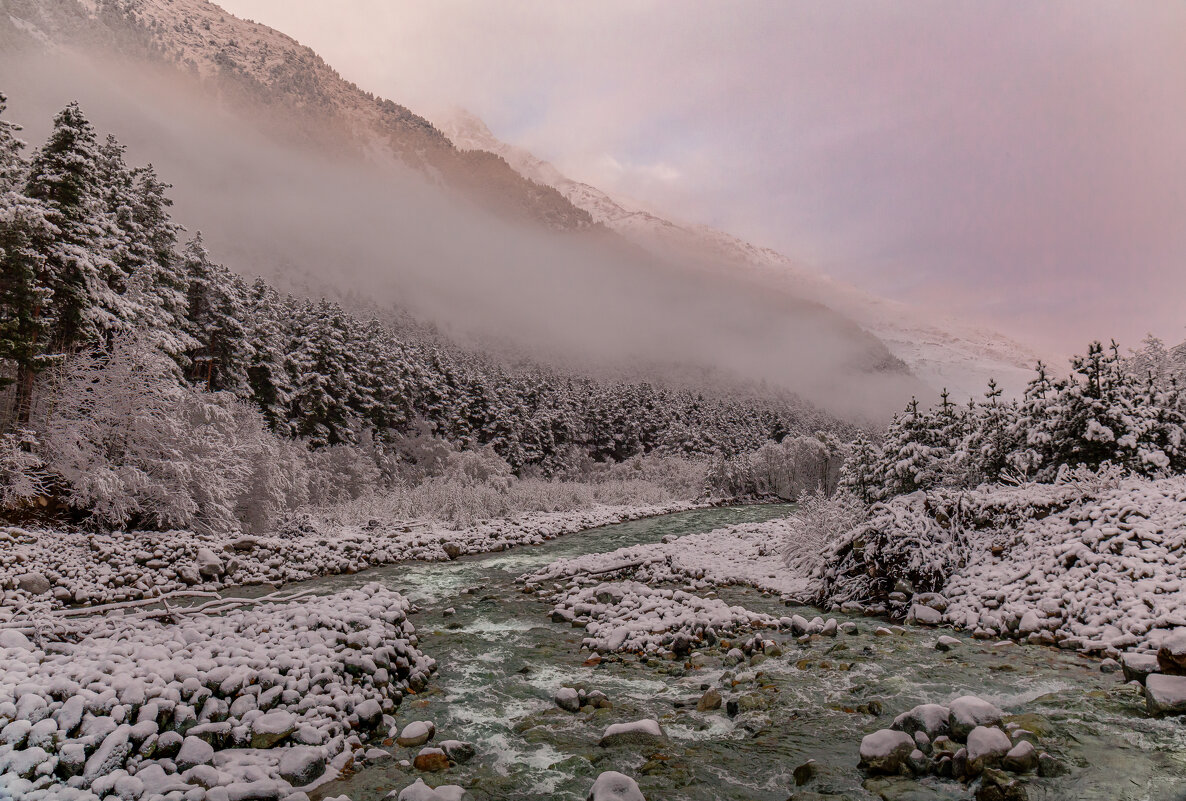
point(122, 340)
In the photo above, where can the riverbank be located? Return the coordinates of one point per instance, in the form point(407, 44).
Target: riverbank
point(245, 701)
point(1098, 569)
point(43, 569)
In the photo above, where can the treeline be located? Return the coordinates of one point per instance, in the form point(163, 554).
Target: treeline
point(1128, 412)
point(93, 268)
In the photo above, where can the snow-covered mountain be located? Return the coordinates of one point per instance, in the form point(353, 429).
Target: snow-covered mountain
point(942, 352)
point(283, 85)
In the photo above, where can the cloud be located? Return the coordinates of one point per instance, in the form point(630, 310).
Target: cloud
point(1020, 163)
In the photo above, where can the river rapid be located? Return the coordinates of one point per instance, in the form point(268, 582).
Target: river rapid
point(502, 658)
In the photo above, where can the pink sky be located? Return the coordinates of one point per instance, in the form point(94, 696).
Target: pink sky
point(1020, 164)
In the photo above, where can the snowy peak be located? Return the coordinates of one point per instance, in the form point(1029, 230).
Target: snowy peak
point(943, 353)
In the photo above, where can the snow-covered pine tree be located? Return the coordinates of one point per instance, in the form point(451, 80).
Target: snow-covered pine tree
point(214, 317)
point(65, 175)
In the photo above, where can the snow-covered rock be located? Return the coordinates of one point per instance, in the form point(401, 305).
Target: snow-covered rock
point(987, 745)
point(416, 733)
point(931, 719)
point(568, 699)
point(1165, 695)
point(885, 751)
point(640, 733)
point(614, 786)
point(1171, 656)
point(969, 712)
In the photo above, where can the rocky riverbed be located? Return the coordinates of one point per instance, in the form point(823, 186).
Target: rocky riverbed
point(499, 697)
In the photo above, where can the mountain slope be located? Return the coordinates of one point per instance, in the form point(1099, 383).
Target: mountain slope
point(943, 353)
point(343, 224)
point(257, 70)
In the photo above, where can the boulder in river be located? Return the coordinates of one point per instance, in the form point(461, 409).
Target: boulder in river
point(1137, 667)
point(968, 712)
point(987, 746)
point(946, 643)
point(711, 700)
point(431, 760)
point(1021, 758)
point(1165, 695)
point(932, 719)
point(885, 751)
point(568, 699)
point(416, 733)
point(614, 786)
point(638, 733)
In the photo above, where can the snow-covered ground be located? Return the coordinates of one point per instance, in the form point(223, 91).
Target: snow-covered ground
point(1100, 568)
point(251, 703)
point(56, 568)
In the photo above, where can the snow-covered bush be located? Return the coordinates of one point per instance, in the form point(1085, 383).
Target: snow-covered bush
point(785, 469)
point(23, 477)
point(819, 522)
point(916, 540)
point(132, 446)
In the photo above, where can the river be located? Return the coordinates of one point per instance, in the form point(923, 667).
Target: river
point(501, 659)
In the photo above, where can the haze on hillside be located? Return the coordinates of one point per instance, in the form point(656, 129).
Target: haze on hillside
point(378, 232)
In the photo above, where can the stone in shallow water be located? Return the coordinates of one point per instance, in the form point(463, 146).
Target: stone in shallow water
point(968, 712)
point(458, 751)
point(931, 719)
point(614, 786)
point(1021, 758)
point(998, 786)
point(431, 760)
point(925, 615)
point(987, 745)
point(1165, 695)
point(419, 791)
point(709, 701)
point(1137, 667)
point(416, 733)
point(946, 643)
point(885, 751)
point(640, 733)
point(567, 699)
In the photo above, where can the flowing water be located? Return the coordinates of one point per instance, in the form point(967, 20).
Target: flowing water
point(501, 659)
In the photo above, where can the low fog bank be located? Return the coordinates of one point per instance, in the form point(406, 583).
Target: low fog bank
point(379, 233)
